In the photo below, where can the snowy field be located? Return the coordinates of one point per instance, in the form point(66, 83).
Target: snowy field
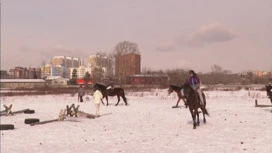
point(147, 125)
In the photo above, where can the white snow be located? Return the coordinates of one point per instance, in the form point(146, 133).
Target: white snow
point(147, 125)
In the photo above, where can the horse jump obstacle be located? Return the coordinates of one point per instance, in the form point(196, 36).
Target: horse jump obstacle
point(68, 112)
point(8, 111)
point(259, 105)
point(60, 118)
point(74, 111)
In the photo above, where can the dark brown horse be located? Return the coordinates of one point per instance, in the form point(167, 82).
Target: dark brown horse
point(177, 90)
point(116, 91)
point(193, 101)
point(269, 92)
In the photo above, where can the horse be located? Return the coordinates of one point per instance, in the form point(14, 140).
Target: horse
point(269, 92)
point(116, 91)
point(193, 101)
point(177, 90)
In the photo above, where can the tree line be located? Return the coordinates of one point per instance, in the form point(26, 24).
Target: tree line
point(177, 76)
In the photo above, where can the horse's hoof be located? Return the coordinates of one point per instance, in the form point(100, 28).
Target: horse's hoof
point(194, 127)
point(174, 106)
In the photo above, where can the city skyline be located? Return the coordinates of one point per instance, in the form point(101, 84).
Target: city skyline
point(170, 34)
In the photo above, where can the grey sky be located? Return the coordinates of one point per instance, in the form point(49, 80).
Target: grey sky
point(235, 34)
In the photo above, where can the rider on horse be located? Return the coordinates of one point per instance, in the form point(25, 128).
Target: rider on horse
point(194, 82)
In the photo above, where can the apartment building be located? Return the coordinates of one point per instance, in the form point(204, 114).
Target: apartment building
point(101, 61)
point(128, 64)
point(81, 71)
point(65, 61)
point(62, 64)
point(25, 73)
point(4, 74)
point(46, 70)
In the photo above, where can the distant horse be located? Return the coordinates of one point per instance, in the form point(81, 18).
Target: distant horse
point(116, 91)
point(177, 90)
point(269, 92)
point(193, 101)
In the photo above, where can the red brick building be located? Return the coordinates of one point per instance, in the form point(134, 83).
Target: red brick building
point(125, 65)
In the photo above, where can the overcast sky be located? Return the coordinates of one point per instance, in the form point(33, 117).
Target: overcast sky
point(195, 34)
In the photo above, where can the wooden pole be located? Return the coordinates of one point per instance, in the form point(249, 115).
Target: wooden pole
point(20, 111)
point(44, 122)
point(256, 103)
point(60, 118)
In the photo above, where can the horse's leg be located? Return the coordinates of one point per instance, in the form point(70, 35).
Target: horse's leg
point(177, 103)
point(185, 103)
point(124, 97)
point(107, 100)
point(102, 101)
point(203, 112)
point(118, 97)
point(194, 117)
point(197, 115)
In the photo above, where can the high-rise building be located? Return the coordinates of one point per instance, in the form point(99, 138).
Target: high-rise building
point(128, 64)
point(25, 73)
point(101, 61)
point(66, 63)
point(34, 73)
point(59, 70)
point(46, 70)
point(81, 71)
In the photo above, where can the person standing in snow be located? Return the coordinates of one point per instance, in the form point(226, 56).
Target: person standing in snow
point(81, 93)
point(97, 100)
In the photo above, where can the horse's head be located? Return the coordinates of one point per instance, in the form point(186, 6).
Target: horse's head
point(268, 89)
point(170, 89)
point(187, 89)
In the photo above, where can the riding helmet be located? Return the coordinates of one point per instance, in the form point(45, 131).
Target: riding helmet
point(191, 72)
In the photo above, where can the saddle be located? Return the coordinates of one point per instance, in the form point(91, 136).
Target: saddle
point(109, 89)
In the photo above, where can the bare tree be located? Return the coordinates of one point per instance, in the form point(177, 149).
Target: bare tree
point(97, 74)
point(216, 69)
point(123, 48)
point(126, 47)
point(146, 70)
point(111, 66)
point(43, 63)
point(177, 76)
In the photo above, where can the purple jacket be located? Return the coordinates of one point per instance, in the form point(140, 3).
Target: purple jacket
point(194, 82)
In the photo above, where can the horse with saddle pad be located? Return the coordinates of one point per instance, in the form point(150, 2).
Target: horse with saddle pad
point(177, 89)
point(109, 91)
point(193, 101)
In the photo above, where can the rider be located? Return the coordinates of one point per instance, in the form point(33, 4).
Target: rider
point(194, 82)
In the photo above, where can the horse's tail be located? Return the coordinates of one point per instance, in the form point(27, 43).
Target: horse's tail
point(205, 111)
point(204, 108)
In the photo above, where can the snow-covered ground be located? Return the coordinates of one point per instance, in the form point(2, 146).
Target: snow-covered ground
point(148, 124)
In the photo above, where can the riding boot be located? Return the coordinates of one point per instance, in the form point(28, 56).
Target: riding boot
point(200, 96)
